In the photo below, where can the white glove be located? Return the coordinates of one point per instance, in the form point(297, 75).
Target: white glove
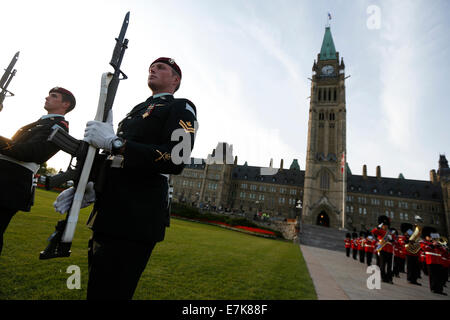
point(100, 134)
point(64, 200)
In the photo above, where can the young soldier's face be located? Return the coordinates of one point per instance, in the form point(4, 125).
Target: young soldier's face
point(55, 104)
point(161, 78)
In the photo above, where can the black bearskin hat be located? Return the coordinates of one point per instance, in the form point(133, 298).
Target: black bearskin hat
point(405, 227)
point(427, 231)
point(384, 220)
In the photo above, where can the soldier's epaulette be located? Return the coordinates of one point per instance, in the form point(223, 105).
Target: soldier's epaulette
point(186, 104)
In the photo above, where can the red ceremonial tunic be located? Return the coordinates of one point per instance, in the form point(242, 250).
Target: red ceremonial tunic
point(348, 243)
point(369, 245)
point(422, 251)
point(432, 253)
point(401, 247)
point(354, 245)
point(380, 233)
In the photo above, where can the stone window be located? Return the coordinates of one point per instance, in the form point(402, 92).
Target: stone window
point(324, 180)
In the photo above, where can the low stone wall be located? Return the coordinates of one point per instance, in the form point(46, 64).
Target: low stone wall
point(287, 228)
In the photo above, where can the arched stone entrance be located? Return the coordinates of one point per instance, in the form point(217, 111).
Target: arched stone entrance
point(323, 219)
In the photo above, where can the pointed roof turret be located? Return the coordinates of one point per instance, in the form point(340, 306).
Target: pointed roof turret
point(328, 51)
point(294, 165)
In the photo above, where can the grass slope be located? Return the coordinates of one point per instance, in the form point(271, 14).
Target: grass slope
point(195, 261)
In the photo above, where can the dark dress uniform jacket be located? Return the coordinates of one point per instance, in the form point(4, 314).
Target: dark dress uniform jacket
point(133, 201)
point(29, 144)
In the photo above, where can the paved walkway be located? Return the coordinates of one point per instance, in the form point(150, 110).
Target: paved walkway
point(337, 277)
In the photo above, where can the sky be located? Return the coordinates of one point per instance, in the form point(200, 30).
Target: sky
point(246, 65)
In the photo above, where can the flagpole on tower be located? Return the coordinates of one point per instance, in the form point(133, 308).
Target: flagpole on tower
point(343, 171)
point(328, 19)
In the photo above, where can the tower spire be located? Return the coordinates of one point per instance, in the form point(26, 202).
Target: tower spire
point(328, 50)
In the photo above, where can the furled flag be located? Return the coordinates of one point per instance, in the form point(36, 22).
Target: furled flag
point(329, 16)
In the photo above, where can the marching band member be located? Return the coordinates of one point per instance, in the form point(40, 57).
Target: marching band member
point(412, 258)
point(348, 244)
point(361, 248)
point(401, 241)
point(354, 245)
point(384, 248)
point(433, 259)
point(397, 252)
point(368, 248)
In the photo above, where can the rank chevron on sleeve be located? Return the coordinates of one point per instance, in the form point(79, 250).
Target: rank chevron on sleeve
point(187, 126)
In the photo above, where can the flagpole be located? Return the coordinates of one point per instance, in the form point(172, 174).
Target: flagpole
point(343, 188)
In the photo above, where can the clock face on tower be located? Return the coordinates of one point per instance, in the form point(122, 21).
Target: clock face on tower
point(327, 70)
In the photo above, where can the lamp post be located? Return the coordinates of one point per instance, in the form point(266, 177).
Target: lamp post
point(300, 207)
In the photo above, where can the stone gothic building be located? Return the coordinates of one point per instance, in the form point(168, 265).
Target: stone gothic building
point(324, 193)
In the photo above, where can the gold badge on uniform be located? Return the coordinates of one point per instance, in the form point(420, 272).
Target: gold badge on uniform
point(163, 156)
point(187, 126)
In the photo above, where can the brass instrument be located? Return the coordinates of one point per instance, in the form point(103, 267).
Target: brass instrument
point(383, 242)
point(443, 241)
point(413, 246)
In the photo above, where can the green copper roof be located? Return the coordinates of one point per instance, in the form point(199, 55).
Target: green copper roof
point(328, 51)
point(294, 165)
point(347, 169)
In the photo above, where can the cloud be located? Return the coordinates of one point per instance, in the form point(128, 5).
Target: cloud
point(400, 77)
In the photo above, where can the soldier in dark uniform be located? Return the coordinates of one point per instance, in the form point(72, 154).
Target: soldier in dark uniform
point(131, 209)
point(21, 156)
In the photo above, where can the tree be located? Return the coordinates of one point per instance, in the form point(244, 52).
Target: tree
point(46, 171)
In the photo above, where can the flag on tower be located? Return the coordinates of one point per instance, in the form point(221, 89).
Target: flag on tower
point(329, 16)
point(343, 162)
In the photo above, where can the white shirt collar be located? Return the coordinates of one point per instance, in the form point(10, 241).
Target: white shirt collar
point(51, 115)
point(161, 94)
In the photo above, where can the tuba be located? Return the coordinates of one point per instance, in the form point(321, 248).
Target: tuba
point(413, 246)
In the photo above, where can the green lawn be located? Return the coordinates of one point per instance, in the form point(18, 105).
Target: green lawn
point(195, 261)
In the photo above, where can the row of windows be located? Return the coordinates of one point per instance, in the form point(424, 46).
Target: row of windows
point(331, 116)
point(265, 188)
point(327, 94)
point(260, 197)
point(391, 203)
point(212, 186)
point(187, 183)
point(403, 216)
point(192, 174)
point(415, 194)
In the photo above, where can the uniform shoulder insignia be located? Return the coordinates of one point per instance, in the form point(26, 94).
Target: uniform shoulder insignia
point(65, 123)
point(190, 109)
point(185, 104)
